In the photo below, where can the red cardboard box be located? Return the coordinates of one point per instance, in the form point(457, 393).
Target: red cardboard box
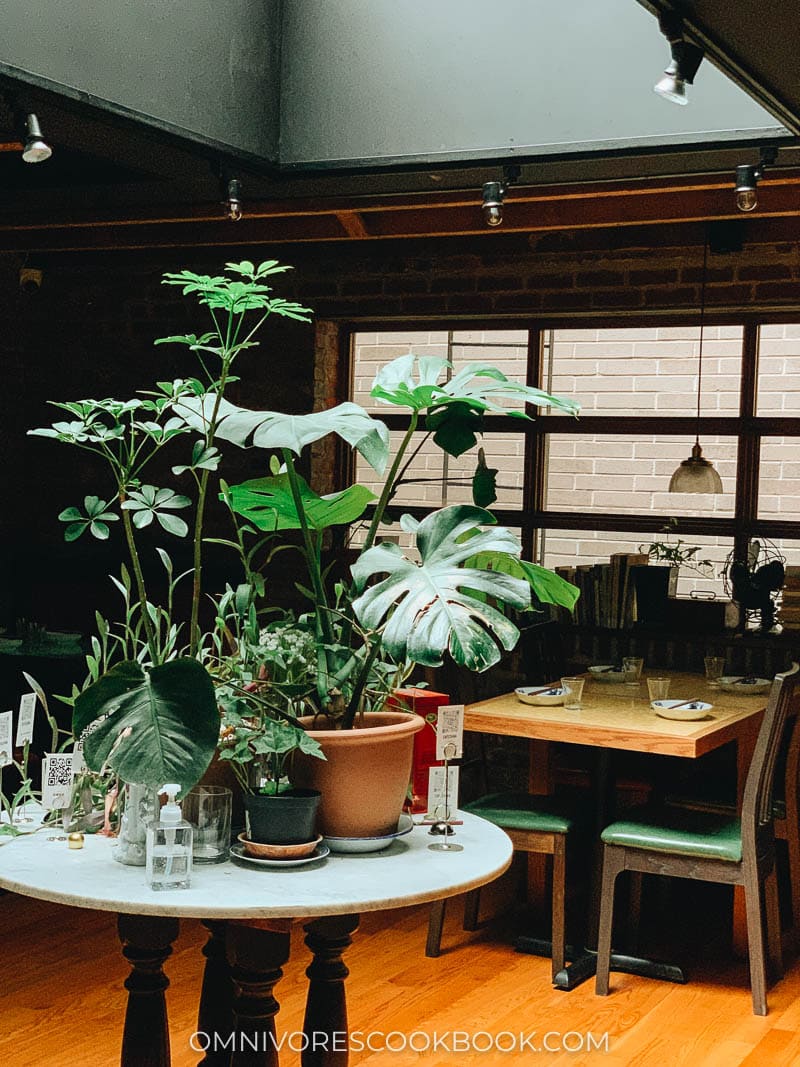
point(423, 702)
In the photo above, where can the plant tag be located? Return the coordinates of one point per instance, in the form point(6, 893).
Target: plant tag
point(56, 780)
point(441, 806)
point(78, 764)
point(450, 732)
point(27, 710)
point(6, 752)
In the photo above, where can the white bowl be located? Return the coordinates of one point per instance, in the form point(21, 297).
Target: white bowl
point(605, 672)
point(669, 709)
point(552, 696)
point(744, 685)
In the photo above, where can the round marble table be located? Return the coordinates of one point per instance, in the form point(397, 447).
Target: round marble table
point(249, 913)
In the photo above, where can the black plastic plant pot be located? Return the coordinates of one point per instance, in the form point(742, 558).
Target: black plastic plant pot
point(287, 818)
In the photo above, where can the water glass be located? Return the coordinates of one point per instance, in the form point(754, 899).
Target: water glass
point(208, 808)
point(657, 688)
point(632, 669)
point(715, 668)
point(573, 692)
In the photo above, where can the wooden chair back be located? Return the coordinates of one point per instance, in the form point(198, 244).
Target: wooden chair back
point(757, 835)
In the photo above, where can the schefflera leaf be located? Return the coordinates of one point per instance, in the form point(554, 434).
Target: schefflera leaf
point(438, 605)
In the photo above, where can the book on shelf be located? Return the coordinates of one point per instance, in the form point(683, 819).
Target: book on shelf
point(606, 591)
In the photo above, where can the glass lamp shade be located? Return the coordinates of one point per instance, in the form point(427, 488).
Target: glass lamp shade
point(695, 475)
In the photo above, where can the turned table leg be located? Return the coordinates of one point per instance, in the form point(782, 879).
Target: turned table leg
point(146, 943)
point(215, 1014)
point(256, 956)
point(325, 1023)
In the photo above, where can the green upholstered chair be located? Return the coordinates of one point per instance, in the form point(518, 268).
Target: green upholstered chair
point(712, 846)
point(534, 824)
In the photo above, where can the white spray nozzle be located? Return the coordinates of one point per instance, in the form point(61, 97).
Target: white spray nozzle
point(171, 811)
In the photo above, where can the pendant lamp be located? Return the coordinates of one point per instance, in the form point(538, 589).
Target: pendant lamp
point(696, 474)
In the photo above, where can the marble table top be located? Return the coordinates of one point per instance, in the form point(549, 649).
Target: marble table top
point(405, 873)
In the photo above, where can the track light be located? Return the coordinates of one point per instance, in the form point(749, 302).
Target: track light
point(36, 149)
point(748, 176)
point(686, 58)
point(233, 205)
point(494, 194)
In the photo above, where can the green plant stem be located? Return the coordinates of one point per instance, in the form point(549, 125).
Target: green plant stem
point(139, 577)
point(389, 484)
point(309, 548)
point(350, 713)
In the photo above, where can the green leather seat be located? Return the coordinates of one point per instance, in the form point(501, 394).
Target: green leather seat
point(706, 834)
point(521, 811)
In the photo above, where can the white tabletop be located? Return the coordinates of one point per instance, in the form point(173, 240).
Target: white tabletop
point(405, 873)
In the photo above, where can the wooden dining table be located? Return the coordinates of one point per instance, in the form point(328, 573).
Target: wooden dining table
point(618, 717)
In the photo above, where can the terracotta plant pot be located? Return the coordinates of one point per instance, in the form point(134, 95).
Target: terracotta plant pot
point(364, 778)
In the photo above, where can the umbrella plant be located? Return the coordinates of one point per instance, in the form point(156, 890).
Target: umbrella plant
point(150, 707)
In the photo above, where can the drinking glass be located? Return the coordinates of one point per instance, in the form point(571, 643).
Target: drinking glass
point(208, 808)
point(715, 668)
point(632, 669)
point(574, 692)
point(657, 688)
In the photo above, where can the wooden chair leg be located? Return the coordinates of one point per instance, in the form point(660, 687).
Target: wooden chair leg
point(558, 935)
point(793, 847)
point(773, 920)
point(755, 941)
point(612, 864)
point(472, 905)
point(433, 946)
point(634, 908)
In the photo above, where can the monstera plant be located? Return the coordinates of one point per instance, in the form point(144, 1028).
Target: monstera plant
point(150, 708)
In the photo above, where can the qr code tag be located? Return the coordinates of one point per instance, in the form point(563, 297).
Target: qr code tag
point(442, 792)
point(78, 763)
point(6, 753)
point(56, 780)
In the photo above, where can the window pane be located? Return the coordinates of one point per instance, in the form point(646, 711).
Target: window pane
point(571, 548)
point(434, 479)
point(646, 371)
point(779, 370)
point(630, 474)
point(779, 478)
point(505, 349)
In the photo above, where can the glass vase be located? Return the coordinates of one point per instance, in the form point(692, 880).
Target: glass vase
point(140, 807)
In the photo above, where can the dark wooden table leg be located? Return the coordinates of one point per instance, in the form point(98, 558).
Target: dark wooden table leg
point(215, 1014)
point(146, 943)
point(325, 1024)
point(256, 956)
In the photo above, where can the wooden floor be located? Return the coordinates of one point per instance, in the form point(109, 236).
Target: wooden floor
point(61, 998)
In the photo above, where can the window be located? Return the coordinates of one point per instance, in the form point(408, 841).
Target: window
point(599, 484)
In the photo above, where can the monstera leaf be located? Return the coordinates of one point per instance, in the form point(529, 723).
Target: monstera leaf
point(436, 606)
point(272, 429)
point(455, 407)
point(268, 504)
point(151, 727)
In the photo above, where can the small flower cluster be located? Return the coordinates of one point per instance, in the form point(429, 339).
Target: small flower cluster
point(289, 649)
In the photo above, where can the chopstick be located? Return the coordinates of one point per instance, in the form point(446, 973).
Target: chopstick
point(685, 704)
point(543, 689)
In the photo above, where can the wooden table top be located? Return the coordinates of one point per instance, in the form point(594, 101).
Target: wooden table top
point(618, 716)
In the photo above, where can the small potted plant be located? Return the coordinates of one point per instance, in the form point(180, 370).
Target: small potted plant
point(657, 581)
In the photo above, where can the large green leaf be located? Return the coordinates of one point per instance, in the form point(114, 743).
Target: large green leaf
point(547, 586)
point(455, 406)
point(154, 726)
point(273, 429)
point(434, 606)
point(269, 505)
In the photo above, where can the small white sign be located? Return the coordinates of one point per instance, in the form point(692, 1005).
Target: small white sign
point(78, 763)
point(442, 792)
point(56, 780)
point(27, 710)
point(6, 751)
point(450, 732)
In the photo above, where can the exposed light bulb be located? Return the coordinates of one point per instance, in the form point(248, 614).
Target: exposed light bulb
point(671, 86)
point(746, 199)
point(233, 205)
point(493, 214)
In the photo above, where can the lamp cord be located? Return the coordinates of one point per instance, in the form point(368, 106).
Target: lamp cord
point(702, 327)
